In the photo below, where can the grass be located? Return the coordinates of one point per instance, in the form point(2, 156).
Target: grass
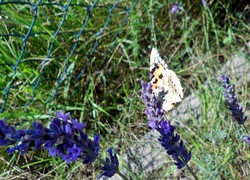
point(195, 43)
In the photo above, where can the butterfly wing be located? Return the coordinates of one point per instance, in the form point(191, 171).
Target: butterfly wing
point(164, 82)
point(156, 59)
point(175, 91)
point(157, 71)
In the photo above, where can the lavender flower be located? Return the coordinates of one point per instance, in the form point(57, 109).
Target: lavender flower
point(154, 109)
point(91, 151)
point(64, 138)
point(247, 139)
point(110, 167)
point(176, 8)
point(232, 101)
point(204, 3)
point(6, 133)
point(171, 143)
point(168, 140)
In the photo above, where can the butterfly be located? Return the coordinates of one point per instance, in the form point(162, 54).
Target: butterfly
point(165, 84)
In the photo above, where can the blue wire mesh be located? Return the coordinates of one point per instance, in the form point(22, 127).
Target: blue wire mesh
point(38, 37)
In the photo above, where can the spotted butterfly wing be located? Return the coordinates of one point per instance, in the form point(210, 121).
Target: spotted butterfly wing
point(164, 81)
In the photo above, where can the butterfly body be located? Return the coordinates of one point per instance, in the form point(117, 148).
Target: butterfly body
point(165, 83)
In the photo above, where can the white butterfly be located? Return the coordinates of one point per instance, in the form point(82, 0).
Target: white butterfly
point(164, 82)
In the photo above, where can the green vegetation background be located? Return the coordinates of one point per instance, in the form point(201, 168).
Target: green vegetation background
point(195, 43)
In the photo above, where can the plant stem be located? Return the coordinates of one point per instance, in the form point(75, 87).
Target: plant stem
point(190, 170)
point(245, 128)
point(122, 175)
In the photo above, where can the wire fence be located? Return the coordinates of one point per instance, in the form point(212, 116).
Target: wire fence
point(38, 37)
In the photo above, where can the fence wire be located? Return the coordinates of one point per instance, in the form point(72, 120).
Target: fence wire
point(37, 37)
